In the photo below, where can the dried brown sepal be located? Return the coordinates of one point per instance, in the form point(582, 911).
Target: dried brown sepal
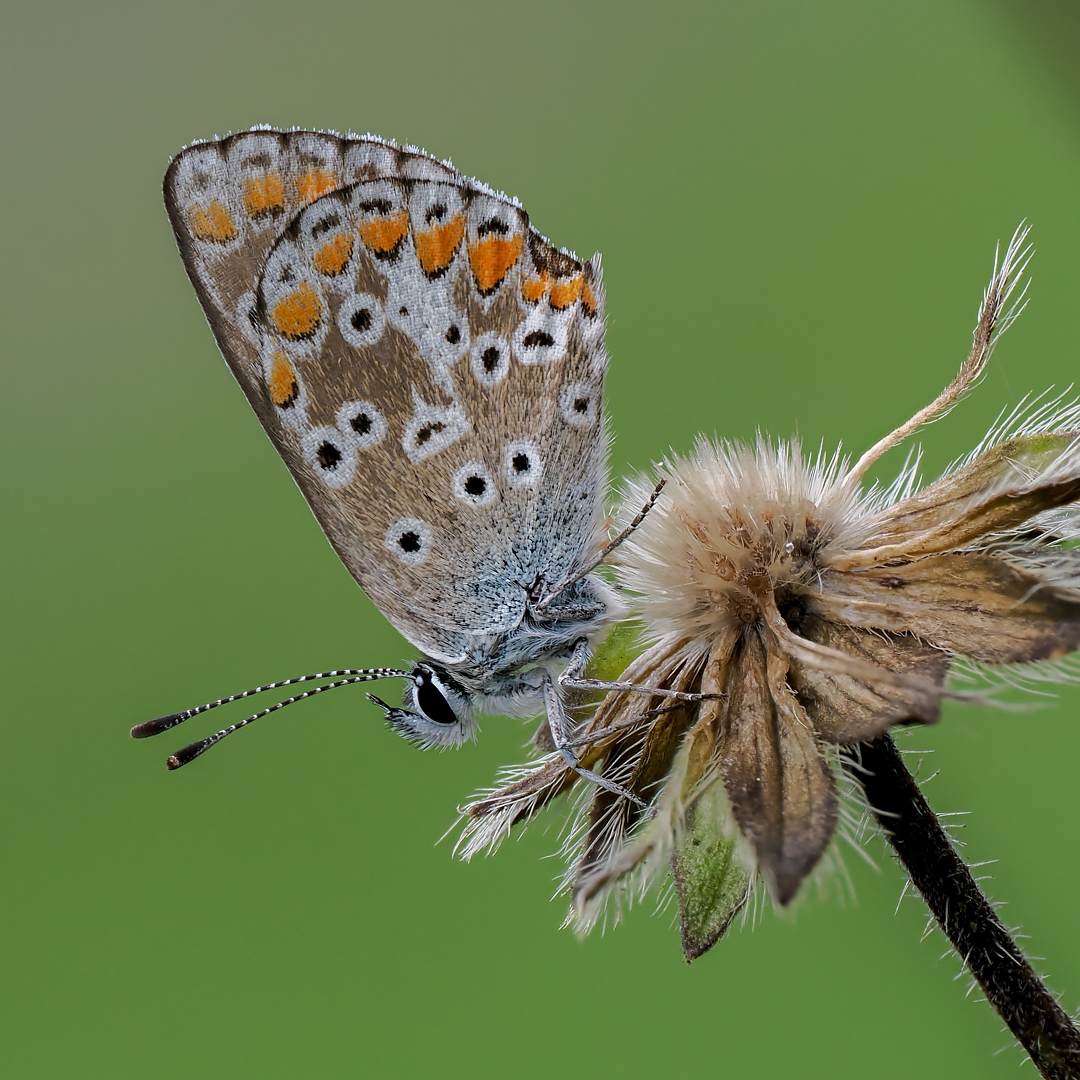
point(969, 603)
point(836, 661)
point(782, 793)
point(994, 493)
point(703, 740)
point(638, 759)
point(844, 709)
point(531, 792)
point(649, 849)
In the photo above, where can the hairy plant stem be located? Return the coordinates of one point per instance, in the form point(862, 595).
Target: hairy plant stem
point(1039, 1023)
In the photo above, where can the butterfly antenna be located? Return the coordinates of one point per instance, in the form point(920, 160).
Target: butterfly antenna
point(193, 750)
point(163, 723)
point(608, 548)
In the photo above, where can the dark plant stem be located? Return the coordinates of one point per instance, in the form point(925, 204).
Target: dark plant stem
point(1040, 1024)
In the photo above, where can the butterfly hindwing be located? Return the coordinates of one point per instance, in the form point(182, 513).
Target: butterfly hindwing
point(428, 366)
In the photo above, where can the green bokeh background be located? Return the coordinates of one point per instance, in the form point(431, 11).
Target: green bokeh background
point(797, 204)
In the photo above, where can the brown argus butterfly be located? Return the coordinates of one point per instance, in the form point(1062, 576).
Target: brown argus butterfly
point(430, 369)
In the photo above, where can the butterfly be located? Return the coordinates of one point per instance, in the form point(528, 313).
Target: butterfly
point(430, 369)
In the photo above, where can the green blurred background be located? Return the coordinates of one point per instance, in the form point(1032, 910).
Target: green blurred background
point(797, 204)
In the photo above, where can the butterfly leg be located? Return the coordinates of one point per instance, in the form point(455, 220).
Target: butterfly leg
point(571, 678)
point(622, 725)
point(558, 723)
point(572, 683)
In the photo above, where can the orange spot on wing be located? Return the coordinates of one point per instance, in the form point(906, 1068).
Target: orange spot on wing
point(493, 257)
point(316, 182)
point(564, 293)
point(436, 246)
point(331, 258)
point(532, 289)
point(284, 389)
point(588, 300)
point(383, 234)
point(297, 314)
point(264, 194)
point(213, 222)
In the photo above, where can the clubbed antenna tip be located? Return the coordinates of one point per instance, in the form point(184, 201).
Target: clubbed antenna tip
point(188, 753)
point(156, 727)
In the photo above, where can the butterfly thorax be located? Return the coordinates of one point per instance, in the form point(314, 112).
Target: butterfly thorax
point(544, 638)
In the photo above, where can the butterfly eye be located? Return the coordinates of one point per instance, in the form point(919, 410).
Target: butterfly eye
point(443, 714)
point(431, 702)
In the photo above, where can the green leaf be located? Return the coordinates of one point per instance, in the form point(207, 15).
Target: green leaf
point(711, 882)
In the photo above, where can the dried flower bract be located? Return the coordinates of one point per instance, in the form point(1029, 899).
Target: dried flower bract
point(820, 614)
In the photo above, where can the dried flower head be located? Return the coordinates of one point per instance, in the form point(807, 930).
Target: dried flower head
point(815, 614)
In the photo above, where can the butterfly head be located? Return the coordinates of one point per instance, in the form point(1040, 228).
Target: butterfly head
point(437, 710)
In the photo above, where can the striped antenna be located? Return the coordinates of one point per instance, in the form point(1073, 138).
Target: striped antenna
point(192, 751)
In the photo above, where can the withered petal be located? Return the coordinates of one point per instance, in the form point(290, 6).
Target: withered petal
point(782, 793)
point(646, 754)
point(844, 709)
point(968, 603)
point(526, 796)
point(994, 493)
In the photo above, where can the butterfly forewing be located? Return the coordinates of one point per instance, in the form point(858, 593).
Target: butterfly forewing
point(428, 366)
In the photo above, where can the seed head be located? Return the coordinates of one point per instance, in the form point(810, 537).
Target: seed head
point(814, 615)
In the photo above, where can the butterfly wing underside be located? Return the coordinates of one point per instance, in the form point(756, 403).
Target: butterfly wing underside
point(427, 365)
